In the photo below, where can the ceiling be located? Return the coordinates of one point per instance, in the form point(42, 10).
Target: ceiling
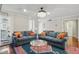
point(56, 10)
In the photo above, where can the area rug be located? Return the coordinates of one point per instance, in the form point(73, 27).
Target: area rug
point(20, 50)
point(25, 49)
point(72, 50)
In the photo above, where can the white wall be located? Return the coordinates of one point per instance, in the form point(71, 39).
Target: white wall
point(10, 23)
point(55, 25)
point(18, 22)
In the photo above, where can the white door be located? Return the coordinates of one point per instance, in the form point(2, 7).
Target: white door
point(71, 26)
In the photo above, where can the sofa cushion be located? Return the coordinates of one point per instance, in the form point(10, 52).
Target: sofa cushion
point(58, 40)
point(28, 37)
point(52, 39)
point(24, 33)
point(53, 34)
point(24, 40)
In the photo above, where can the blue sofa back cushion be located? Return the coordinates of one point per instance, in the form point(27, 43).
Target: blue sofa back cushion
point(53, 34)
point(25, 33)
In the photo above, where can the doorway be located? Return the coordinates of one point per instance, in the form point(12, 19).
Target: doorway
point(71, 27)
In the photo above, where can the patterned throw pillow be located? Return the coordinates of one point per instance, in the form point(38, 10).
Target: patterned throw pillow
point(18, 34)
point(31, 33)
point(61, 35)
point(43, 34)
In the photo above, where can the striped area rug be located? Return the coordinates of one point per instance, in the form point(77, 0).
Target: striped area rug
point(20, 50)
point(72, 50)
point(25, 49)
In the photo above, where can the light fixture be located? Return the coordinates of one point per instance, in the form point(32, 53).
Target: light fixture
point(24, 10)
point(42, 13)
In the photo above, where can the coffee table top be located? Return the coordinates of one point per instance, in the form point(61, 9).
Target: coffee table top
point(40, 46)
point(38, 43)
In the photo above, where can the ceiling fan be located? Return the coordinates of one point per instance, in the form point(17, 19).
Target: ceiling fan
point(42, 13)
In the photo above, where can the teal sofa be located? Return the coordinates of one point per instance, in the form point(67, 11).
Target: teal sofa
point(52, 40)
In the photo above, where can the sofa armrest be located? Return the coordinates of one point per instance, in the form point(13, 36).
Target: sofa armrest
point(65, 38)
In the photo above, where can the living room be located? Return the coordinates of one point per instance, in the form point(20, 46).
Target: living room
point(40, 28)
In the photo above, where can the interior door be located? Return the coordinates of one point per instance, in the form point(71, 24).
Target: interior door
point(71, 26)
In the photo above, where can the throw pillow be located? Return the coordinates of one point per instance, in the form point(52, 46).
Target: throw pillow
point(31, 33)
point(43, 34)
point(61, 35)
point(18, 34)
